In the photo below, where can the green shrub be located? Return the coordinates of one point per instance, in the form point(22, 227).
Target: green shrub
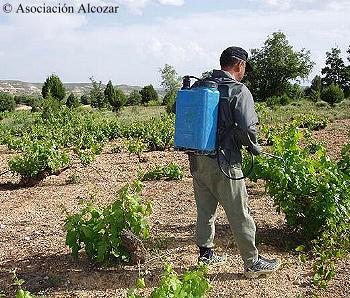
point(23, 99)
point(44, 139)
point(3, 115)
point(50, 107)
point(153, 103)
point(169, 100)
point(272, 101)
point(38, 160)
point(313, 192)
point(134, 98)
point(136, 146)
point(21, 292)
point(7, 102)
point(98, 231)
point(345, 103)
point(298, 183)
point(116, 149)
point(194, 283)
point(85, 99)
point(73, 179)
point(315, 95)
point(72, 101)
point(295, 92)
point(278, 100)
point(36, 104)
point(157, 133)
point(321, 104)
point(171, 171)
point(311, 121)
point(296, 104)
point(332, 94)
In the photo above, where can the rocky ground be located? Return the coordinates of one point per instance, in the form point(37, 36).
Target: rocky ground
point(32, 239)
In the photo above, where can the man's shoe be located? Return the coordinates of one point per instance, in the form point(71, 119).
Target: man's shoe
point(213, 260)
point(262, 266)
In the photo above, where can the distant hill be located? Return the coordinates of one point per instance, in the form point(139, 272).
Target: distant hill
point(19, 87)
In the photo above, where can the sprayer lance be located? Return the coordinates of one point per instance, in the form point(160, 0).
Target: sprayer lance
point(273, 156)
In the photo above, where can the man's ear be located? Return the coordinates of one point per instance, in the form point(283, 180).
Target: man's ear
point(241, 63)
point(237, 67)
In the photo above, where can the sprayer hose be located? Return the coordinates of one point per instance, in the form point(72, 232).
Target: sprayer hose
point(234, 178)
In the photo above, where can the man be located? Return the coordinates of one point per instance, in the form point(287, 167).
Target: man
point(237, 128)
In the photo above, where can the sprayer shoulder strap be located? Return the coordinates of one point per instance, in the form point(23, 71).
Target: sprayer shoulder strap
point(227, 103)
point(228, 89)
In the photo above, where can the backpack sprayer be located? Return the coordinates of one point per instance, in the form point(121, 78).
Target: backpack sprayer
point(197, 116)
point(196, 124)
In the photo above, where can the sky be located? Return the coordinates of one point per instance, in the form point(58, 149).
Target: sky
point(129, 47)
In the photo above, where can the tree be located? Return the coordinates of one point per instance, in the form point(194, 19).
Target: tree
point(53, 87)
point(347, 70)
point(171, 82)
point(109, 92)
point(294, 92)
point(119, 100)
point(7, 102)
point(50, 107)
point(36, 103)
point(316, 83)
point(148, 93)
point(97, 97)
point(347, 89)
point(314, 91)
point(85, 100)
point(275, 65)
point(169, 100)
point(72, 101)
point(335, 71)
point(134, 98)
point(115, 97)
point(23, 99)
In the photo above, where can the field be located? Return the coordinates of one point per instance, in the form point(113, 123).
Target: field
point(32, 239)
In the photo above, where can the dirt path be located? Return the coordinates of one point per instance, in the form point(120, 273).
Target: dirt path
point(32, 239)
point(334, 137)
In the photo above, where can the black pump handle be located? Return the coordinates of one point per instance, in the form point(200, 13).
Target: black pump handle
point(186, 82)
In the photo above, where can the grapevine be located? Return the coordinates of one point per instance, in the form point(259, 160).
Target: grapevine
point(194, 284)
point(171, 171)
point(314, 194)
point(98, 231)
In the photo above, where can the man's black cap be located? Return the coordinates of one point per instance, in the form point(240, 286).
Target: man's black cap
point(239, 53)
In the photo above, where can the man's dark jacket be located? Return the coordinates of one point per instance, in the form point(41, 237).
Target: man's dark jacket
point(237, 118)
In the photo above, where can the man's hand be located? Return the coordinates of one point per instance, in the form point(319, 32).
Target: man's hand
point(255, 150)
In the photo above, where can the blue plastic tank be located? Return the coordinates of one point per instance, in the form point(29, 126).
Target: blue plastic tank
point(196, 119)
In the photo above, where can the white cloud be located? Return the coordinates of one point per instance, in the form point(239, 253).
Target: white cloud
point(37, 46)
point(283, 4)
point(136, 6)
point(172, 2)
point(303, 4)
